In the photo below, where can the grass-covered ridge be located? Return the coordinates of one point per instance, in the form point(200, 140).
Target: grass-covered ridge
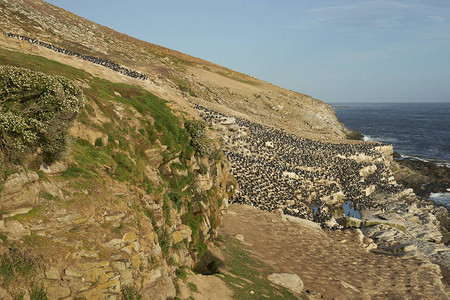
point(36, 110)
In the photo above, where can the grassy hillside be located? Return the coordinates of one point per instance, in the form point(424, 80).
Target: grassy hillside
point(173, 75)
point(125, 153)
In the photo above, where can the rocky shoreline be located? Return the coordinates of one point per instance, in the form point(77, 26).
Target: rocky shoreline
point(422, 176)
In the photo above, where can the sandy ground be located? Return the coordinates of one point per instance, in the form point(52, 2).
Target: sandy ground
point(210, 287)
point(332, 263)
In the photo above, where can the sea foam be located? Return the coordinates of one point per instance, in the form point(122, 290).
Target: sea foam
point(441, 198)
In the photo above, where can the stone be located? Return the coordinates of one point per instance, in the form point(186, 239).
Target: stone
point(304, 222)
point(79, 130)
point(15, 182)
point(384, 219)
point(114, 243)
point(185, 231)
point(369, 190)
point(183, 291)
point(349, 222)
point(348, 286)
point(18, 211)
point(269, 144)
point(16, 229)
point(228, 121)
point(290, 281)
point(89, 254)
point(54, 168)
point(119, 265)
point(176, 236)
point(73, 272)
point(203, 183)
point(154, 157)
point(366, 171)
point(56, 289)
point(331, 223)
point(51, 189)
point(239, 237)
point(114, 218)
point(53, 273)
point(151, 277)
point(126, 277)
point(152, 173)
point(129, 237)
point(136, 260)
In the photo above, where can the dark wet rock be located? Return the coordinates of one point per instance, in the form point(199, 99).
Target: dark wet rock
point(423, 177)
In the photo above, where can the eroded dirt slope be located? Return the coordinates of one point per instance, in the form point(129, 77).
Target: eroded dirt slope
point(334, 264)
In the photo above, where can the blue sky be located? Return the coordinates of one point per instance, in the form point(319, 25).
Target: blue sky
point(337, 51)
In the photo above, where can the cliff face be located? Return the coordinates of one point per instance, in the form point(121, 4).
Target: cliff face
point(171, 75)
point(134, 197)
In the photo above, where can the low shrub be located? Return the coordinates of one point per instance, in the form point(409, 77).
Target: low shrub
point(36, 111)
point(195, 128)
point(202, 146)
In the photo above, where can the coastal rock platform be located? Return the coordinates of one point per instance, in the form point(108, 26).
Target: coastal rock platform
point(333, 264)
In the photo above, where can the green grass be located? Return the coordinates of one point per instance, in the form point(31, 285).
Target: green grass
point(41, 64)
point(38, 293)
point(130, 293)
point(181, 272)
point(14, 264)
point(4, 238)
point(193, 287)
point(247, 274)
point(164, 241)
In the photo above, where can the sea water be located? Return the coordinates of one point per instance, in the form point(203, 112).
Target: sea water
point(416, 130)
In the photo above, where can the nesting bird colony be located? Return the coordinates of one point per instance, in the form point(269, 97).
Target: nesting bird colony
point(96, 60)
point(304, 178)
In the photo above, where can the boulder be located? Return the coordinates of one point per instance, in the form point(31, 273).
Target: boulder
point(366, 171)
point(290, 281)
point(349, 222)
point(154, 157)
point(55, 168)
point(16, 182)
point(240, 237)
point(228, 121)
point(56, 289)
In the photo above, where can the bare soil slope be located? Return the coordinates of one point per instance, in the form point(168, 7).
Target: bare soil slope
point(332, 263)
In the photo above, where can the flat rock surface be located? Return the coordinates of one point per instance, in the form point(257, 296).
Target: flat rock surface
point(332, 263)
point(290, 281)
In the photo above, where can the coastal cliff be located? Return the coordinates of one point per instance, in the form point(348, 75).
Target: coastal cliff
point(125, 206)
point(124, 194)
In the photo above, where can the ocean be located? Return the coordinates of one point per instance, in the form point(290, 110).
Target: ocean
point(416, 130)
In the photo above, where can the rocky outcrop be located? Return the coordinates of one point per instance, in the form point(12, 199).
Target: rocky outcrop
point(108, 218)
point(407, 227)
